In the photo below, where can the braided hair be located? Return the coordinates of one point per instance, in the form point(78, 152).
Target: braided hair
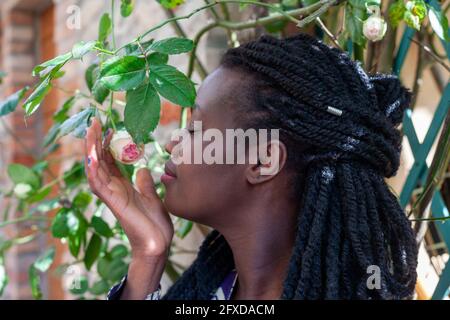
point(349, 221)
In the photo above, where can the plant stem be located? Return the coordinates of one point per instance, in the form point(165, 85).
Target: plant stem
point(112, 25)
point(179, 30)
point(111, 101)
point(250, 24)
point(315, 14)
point(23, 219)
point(290, 15)
point(58, 179)
point(111, 53)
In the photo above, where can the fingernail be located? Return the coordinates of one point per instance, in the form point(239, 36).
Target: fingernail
point(89, 161)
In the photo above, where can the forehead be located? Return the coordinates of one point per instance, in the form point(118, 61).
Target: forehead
point(217, 95)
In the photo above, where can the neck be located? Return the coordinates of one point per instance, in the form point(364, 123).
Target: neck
point(262, 248)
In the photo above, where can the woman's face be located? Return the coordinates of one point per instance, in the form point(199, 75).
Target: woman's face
point(207, 193)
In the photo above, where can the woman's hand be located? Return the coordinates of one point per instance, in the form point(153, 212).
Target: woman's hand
point(139, 210)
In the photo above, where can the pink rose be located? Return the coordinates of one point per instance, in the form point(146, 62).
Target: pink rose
point(123, 148)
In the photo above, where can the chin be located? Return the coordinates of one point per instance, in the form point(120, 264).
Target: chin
point(178, 209)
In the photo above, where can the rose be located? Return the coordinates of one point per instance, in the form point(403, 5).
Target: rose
point(374, 28)
point(124, 149)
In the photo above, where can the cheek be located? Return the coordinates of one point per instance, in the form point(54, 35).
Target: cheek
point(204, 193)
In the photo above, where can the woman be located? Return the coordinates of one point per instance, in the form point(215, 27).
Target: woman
point(323, 226)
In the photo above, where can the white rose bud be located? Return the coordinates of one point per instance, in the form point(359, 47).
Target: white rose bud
point(22, 190)
point(374, 28)
point(123, 148)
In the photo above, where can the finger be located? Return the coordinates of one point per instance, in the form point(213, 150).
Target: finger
point(145, 184)
point(106, 142)
point(108, 138)
point(107, 156)
point(98, 136)
point(90, 150)
point(103, 173)
point(111, 164)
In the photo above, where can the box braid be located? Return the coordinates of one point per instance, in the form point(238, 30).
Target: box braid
point(348, 218)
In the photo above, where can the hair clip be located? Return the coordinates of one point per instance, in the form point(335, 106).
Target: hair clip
point(334, 111)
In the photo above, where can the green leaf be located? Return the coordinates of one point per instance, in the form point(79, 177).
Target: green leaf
point(126, 7)
point(103, 267)
point(59, 60)
point(22, 174)
point(34, 280)
point(439, 23)
point(142, 111)
point(419, 9)
point(105, 27)
point(92, 250)
point(89, 76)
point(75, 121)
point(35, 99)
point(42, 264)
point(173, 85)
point(3, 276)
point(117, 270)
point(10, 104)
point(40, 166)
point(170, 4)
point(157, 58)
point(119, 251)
point(101, 227)
point(412, 20)
point(396, 12)
point(355, 14)
point(100, 92)
point(82, 200)
point(60, 227)
point(79, 285)
point(172, 45)
point(81, 48)
point(77, 175)
point(74, 241)
point(100, 287)
point(184, 228)
point(133, 49)
point(45, 260)
point(122, 73)
point(51, 135)
point(61, 115)
point(77, 235)
point(39, 196)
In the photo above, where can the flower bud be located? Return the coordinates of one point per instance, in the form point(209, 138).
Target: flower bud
point(124, 149)
point(22, 190)
point(374, 28)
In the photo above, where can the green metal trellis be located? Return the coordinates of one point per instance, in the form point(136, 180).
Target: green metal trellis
point(418, 172)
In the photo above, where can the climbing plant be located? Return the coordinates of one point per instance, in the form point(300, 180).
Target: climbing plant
point(140, 68)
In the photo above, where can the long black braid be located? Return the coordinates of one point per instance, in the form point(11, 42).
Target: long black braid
point(349, 221)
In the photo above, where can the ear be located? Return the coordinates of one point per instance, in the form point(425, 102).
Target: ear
point(271, 158)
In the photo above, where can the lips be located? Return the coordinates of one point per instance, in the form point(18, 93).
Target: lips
point(169, 169)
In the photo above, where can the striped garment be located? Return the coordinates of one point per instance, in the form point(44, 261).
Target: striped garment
point(223, 292)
